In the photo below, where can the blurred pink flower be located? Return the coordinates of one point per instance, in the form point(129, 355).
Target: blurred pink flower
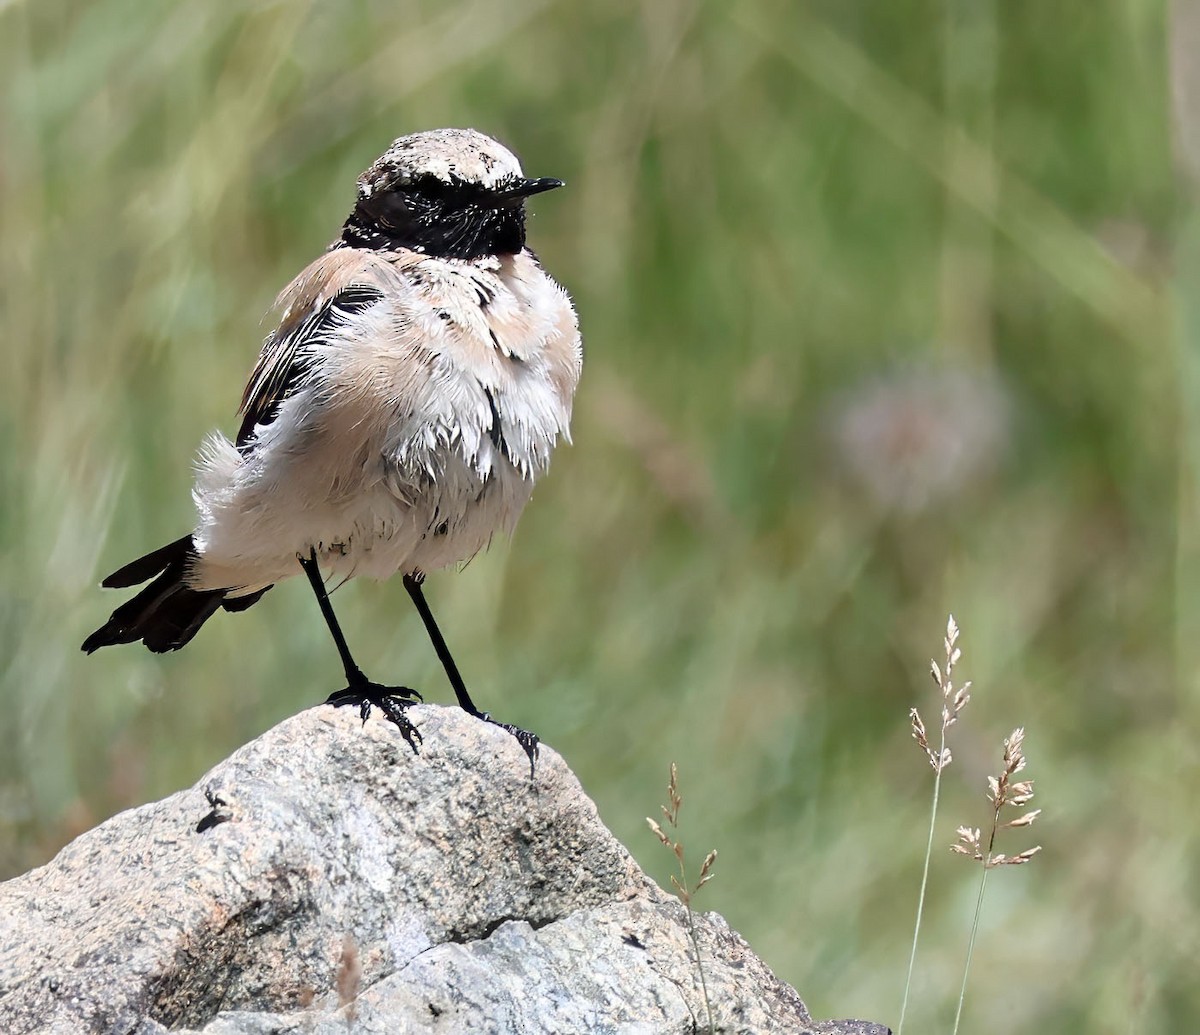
point(912, 439)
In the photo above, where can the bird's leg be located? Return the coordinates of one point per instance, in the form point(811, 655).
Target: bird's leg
point(527, 740)
point(359, 690)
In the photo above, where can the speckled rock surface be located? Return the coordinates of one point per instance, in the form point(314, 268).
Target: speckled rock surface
point(348, 885)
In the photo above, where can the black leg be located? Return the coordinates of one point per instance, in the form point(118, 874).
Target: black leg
point(313, 571)
point(359, 690)
point(527, 740)
point(413, 584)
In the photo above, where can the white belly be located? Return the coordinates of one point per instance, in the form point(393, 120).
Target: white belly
point(417, 437)
point(368, 507)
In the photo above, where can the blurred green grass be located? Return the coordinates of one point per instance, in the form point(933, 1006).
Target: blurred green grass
point(816, 249)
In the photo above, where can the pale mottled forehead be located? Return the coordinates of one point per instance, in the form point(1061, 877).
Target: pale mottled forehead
point(447, 154)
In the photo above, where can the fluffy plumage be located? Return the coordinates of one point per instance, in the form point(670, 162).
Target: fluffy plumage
point(398, 416)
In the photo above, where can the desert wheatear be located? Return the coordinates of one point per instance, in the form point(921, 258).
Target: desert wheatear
point(398, 416)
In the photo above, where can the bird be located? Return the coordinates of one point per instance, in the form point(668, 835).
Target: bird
point(421, 372)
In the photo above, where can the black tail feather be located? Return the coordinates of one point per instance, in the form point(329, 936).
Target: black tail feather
point(145, 568)
point(241, 603)
point(167, 613)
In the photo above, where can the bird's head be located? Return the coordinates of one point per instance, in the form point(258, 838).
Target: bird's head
point(447, 192)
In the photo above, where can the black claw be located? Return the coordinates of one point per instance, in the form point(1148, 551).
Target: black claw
point(528, 741)
point(391, 700)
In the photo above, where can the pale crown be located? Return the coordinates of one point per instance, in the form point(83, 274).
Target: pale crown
point(449, 155)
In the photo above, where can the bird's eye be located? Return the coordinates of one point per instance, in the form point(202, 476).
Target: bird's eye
point(388, 209)
point(393, 213)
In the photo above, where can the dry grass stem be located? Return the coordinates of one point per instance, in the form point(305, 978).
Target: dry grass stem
point(349, 976)
point(1004, 793)
point(954, 699)
point(683, 889)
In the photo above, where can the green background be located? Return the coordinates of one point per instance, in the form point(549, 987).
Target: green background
point(888, 311)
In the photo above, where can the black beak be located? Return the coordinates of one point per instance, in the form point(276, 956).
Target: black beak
point(526, 188)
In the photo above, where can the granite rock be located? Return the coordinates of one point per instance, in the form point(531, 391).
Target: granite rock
point(325, 878)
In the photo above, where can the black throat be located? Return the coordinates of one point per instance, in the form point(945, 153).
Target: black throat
point(457, 221)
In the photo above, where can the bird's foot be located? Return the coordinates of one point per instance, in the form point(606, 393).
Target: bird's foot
point(391, 700)
point(528, 741)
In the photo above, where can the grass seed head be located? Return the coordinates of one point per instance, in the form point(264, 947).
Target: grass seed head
point(1003, 792)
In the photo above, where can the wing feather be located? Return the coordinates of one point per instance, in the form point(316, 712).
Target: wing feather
point(318, 302)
